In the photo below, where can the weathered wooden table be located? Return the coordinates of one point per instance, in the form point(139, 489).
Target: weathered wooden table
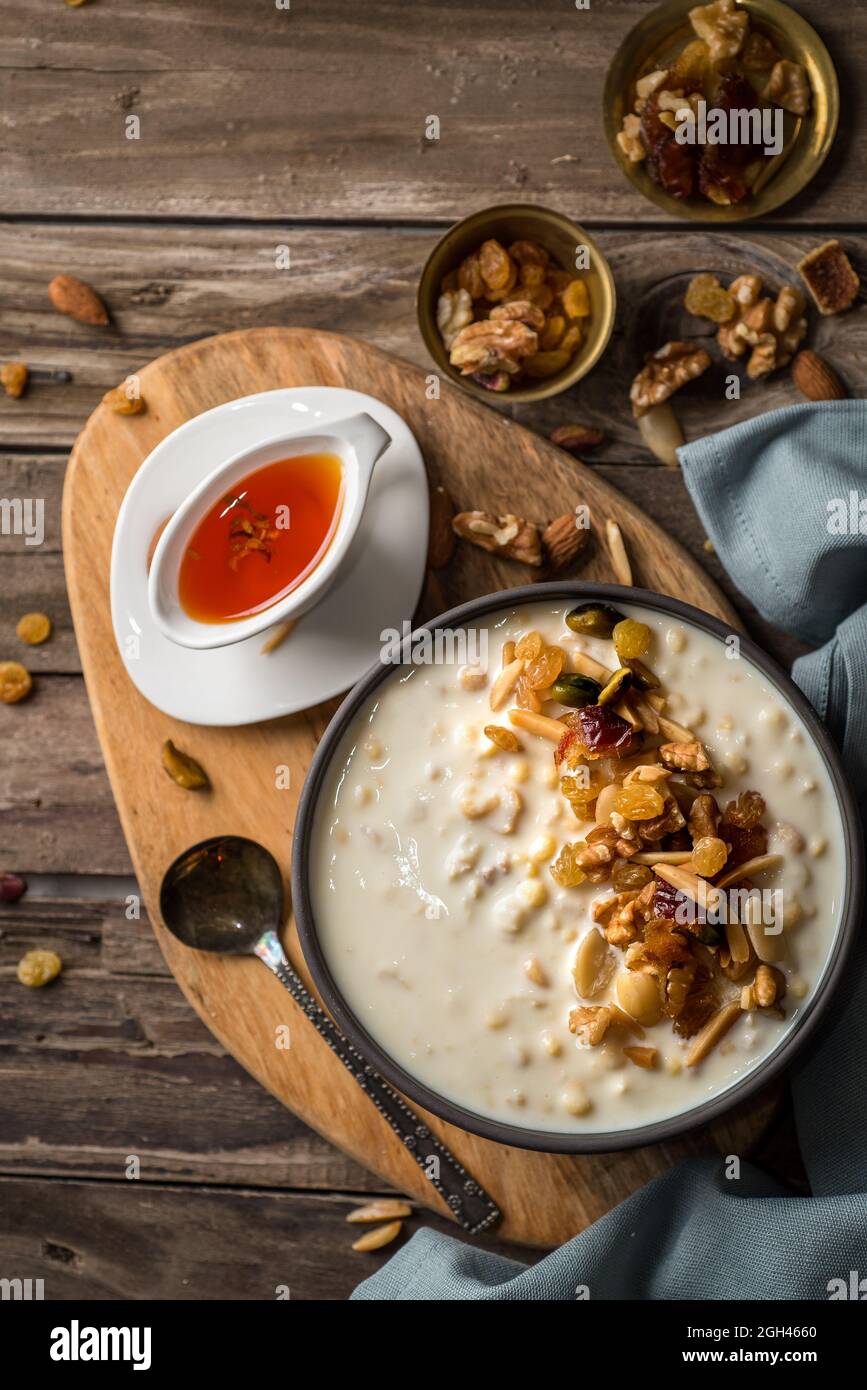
point(260, 126)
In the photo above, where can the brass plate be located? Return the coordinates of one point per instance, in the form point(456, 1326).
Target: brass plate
point(662, 34)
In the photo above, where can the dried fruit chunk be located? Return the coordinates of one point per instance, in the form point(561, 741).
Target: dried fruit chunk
point(565, 870)
point(638, 802)
point(553, 331)
point(541, 365)
point(759, 54)
point(666, 371)
point(630, 140)
point(503, 738)
point(77, 300)
point(584, 787)
point(576, 300)
point(707, 299)
point(601, 731)
point(15, 682)
point(34, 628)
point(38, 968)
point(504, 535)
point(631, 639)
point(183, 769)
point(709, 855)
point(454, 312)
point(529, 646)
point(828, 275)
point(528, 253)
point(789, 87)
point(470, 276)
point(125, 399)
point(496, 265)
point(542, 673)
point(627, 877)
point(493, 381)
point(14, 377)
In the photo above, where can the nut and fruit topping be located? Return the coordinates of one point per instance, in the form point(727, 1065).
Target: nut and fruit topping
point(39, 968)
point(14, 377)
point(827, 272)
point(183, 769)
point(34, 628)
point(737, 72)
point(509, 315)
point(510, 535)
point(771, 330)
point(16, 682)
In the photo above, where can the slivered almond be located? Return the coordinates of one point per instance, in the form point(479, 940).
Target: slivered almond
point(677, 733)
point(645, 711)
point(641, 1056)
point(508, 654)
point(751, 867)
point(624, 711)
point(698, 889)
point(738, 942)
point(584, 665)
point(662, 856)
point(506, 682)
point(277, 636)
point(715, 1029)
point(379, 1236)
point(540, 724)
point(768, 946)
point(534, 971)
point(617, 550)
point(382, 1209)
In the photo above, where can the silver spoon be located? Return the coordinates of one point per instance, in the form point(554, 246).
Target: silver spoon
point(226, 895)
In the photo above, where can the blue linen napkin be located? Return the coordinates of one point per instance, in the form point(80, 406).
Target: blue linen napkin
point(778, 497)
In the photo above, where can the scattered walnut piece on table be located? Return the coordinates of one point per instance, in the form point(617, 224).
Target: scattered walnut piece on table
point(508, 535)
point(666, 371)
point(830, 278)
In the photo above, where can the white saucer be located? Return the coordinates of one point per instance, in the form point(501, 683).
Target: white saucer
point(332, 645)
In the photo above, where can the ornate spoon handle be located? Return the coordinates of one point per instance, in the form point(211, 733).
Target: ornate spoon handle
point(469, 1203)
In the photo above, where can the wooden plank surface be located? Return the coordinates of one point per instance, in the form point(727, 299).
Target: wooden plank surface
point(287, 114)
point(168, 285)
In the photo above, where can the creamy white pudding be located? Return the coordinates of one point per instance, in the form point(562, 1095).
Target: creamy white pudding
point(457, 949)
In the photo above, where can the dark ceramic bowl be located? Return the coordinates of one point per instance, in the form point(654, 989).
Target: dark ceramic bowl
point(552, 1142)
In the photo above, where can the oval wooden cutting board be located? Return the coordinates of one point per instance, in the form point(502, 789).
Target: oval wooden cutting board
point(485, 461)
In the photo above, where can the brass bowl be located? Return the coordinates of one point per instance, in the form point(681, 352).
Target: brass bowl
point(655, 41)
point(560, 238)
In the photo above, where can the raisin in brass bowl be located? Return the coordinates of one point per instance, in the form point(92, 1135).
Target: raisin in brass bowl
point(561, 238)
point(656, 41)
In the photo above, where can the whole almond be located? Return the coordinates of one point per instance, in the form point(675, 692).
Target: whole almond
point(575, 439)
point(77, 300)
point(563, 540)
point(441, 540)
point(815, 379)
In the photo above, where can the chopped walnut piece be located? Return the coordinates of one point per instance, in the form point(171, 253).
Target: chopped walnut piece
point(704, 817)
point(759, 54)
point(772, 328)
point(520, 309)
point(828, 275)
point(789, 87)
point(687, 757)
point(509, 535)
point(490, 344)
point(454, 312)
point(723, 27)
point(630, 141)
point(666, 371)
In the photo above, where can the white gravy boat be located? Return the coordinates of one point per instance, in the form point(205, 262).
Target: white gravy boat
point(358, 441)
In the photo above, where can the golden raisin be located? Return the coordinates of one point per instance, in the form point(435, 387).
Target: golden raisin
point(14, 377)
point(124, 400)
point(542, 673)
point(627, 877)
point(571, 340)
point(631, 639)
point(503, 738)
point(39, 968)
point(708, 300)
point(545, 364)
point(639, 802)
point(584, 787)
point(576, 300)
point(15, 682)
point(34, 628)
point(495, 264)
point(552, 333)
point(565, 869)
point(529, 646)
point(709, 854)
point(470, 276)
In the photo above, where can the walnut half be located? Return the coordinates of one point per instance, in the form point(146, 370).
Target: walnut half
point(665, 371)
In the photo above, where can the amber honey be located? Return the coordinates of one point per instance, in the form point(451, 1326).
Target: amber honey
point(261, 539)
